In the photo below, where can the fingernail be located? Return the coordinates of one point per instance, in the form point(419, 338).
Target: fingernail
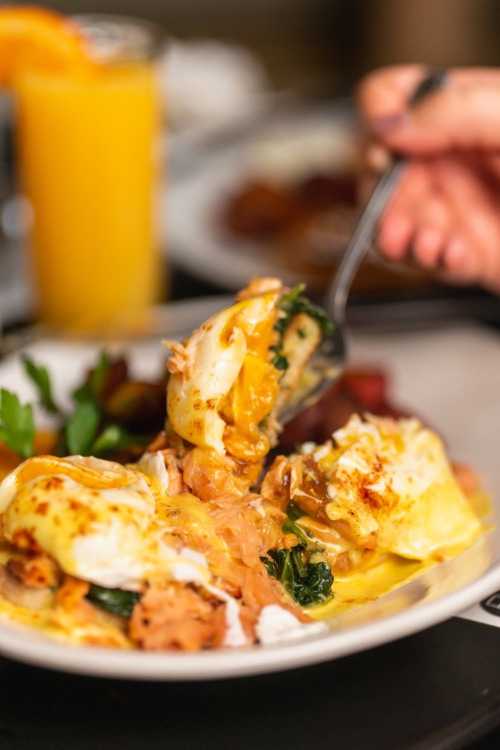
point(383, 125)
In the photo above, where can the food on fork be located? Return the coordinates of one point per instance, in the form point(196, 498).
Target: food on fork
point(199, 544)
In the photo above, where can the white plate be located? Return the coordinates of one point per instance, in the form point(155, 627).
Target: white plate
point(450, 377)
point(193, 200)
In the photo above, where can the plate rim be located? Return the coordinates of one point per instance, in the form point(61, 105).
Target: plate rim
point(233, 663)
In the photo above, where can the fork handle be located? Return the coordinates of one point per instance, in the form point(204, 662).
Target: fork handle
point(360, 242)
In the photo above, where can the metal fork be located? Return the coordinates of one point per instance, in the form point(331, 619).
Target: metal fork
point(329, 362)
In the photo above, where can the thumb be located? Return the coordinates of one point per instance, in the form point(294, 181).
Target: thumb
point(464, 114)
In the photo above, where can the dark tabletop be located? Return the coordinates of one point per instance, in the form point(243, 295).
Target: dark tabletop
point(439, 689)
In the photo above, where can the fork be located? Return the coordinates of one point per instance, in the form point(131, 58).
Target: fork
point(330, 360)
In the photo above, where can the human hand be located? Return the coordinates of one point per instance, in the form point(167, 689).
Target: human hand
point(445, 213)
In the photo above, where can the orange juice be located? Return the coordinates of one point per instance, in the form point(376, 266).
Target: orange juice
point(87, 143)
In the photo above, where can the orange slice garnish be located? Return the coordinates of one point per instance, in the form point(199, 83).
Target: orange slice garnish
point(36, 38)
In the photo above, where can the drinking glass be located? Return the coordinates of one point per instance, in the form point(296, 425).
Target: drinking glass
point(89, 166)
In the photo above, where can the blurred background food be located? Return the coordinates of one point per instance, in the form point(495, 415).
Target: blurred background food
point(263, 146)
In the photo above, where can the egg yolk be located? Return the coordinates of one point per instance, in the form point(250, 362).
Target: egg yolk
point(253, 396)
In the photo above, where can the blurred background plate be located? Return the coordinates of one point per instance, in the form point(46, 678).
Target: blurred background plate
point(288, 142)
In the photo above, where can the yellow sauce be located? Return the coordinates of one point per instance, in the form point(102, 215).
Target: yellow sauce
point(382, 574)
point(385, 573)
point(366, 585)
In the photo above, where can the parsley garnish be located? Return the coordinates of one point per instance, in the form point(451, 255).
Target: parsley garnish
point(39, 376)
point(92, 389)
point(81, 428)
point(17, 427)
point(115, 438)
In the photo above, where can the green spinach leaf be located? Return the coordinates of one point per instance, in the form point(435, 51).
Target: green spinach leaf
point(307, 582)
point(291, 304)
point(294, 302)
point(116, 601)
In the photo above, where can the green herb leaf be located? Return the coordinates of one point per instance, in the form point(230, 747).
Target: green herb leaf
point(81, 428)
point(39, 375)
point(294, 302)
point(116, 601)
point(294, 512)
point(98, 374)
point(315, 585)
point(17, 427)
point(91, 390)
point(291, 527)
point(271, 565)
point(307, 582)
point(280, 362)
point(115, 438)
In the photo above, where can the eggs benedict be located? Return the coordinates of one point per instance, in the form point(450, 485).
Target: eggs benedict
point(196, 545)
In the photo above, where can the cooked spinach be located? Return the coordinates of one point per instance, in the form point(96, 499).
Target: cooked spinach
point(116, 601)
point(279, 360)
point(291, 527)
point(307, 582)
point(294, 302)
point(294, 512)
point(291, 304)
point(307, 578)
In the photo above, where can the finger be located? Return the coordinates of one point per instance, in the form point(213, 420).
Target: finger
point(384, 94)
point(464, 114)
point(395, 235)
point(432, 235)
point(428, 246)
point(492, 164)
point(398, 224)
point(461, 261)
point(476, 214)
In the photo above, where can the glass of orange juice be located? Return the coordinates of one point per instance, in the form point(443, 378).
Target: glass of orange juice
point(88, 154)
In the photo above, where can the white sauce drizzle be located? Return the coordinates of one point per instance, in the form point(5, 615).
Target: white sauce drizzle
point(235, 635)
point(153, 465)
point(277, 624)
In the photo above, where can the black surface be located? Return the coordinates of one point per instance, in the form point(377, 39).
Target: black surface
point(438, 690)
